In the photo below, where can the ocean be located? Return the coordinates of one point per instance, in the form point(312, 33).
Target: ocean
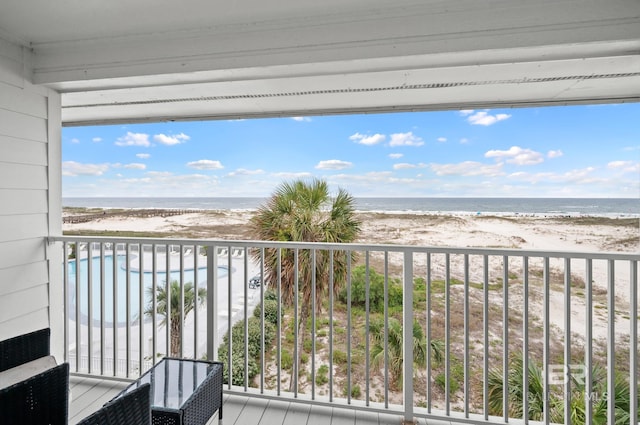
point(610, 207)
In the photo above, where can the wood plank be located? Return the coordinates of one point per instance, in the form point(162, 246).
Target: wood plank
point(23, 151)
point(232, 408)
point(275, 413)
point(26, 226)
point(297, 414)
point(23, 276)
point(342, 417)
point(24, 101)
point(89, 395)
point(22, 126)
point(253, 411)
point(22, 176)
point(366, 418)
point(23, 201)
point(320, 415)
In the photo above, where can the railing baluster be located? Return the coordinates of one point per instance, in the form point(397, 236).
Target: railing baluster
point(102, 308)
point(611, 342)
point(428, 317)
point(263, 350)
point(485, 337)
point(386, 329)
point(367, 348)
point(89, 307)
point(296, 321)
point(633, 341)
point(546, 335)
point(196, 301)
point(505, 338)
point(588, 342)
point(348, 327)
point(245, 307)
point(313, 324)
point(331, 298)
point(128, 311)
point(167, 293)
point(525, 339)
point(141, 266)
point(181, 301)
point(567, 340)
point(154, 303)
point(466, 358)
point(78, 312)
point(279, 277)
point(447, 334)
point(114, 266)
point(407, 337)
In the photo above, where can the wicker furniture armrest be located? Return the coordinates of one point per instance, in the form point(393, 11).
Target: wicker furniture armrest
point(41, 399)
point(133, 408)
point(206, 400)
point(24, 348)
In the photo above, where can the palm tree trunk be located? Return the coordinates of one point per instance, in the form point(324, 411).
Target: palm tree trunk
point(175, 339)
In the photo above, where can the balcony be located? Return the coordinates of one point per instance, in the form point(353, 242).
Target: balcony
point(473, 313)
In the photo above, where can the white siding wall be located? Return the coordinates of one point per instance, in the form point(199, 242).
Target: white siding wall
point(27, 188)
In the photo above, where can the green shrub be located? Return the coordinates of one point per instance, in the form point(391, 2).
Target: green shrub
point(287, 360)
point(270, 311)
point(339, 357)
point(322, 375)
point(355, 391)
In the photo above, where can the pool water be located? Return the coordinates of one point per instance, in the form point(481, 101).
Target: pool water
point(121, 287)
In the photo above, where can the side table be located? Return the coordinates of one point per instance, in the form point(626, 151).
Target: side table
point(183, 391)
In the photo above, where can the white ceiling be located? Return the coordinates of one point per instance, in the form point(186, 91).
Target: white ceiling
point(150, 60)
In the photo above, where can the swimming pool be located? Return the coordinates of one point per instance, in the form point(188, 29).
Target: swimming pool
point(121, 287)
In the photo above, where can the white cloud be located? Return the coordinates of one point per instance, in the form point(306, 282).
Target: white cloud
point(205, 164)
point(441, 139)
point(97, 139)
point(368, 140)
point(135, 166)
point(406, 165)
point(73, 169)
point(465, 112)
point(74, 140)
point(624, 166)
point(517, 155)
point(464, 141)
point(293, 175)
point(134, 139)
point(143, 155)
point(301, 119)
point(405, 139)
point(333, 164)
point(467, 168)
point(395, 155)
point(245, 172)
point(171, 140)
point(483, 118)
point(554, 154)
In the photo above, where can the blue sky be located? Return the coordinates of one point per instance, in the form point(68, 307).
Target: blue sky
point(576, 151)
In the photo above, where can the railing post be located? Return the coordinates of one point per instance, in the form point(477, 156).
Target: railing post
point(407, 338)
point(212, 302)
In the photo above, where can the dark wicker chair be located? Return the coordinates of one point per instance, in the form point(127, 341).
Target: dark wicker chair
point(132, 408)
point(24, 348)
point(40, 399)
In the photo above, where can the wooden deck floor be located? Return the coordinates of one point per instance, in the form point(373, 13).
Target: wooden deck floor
point(88, 394)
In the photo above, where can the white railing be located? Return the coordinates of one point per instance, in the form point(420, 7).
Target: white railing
point(574, 315)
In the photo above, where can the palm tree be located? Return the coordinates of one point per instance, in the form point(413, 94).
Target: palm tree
point(174, 309)
point(516, 394)
point(305, 212)
point(376, 330)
